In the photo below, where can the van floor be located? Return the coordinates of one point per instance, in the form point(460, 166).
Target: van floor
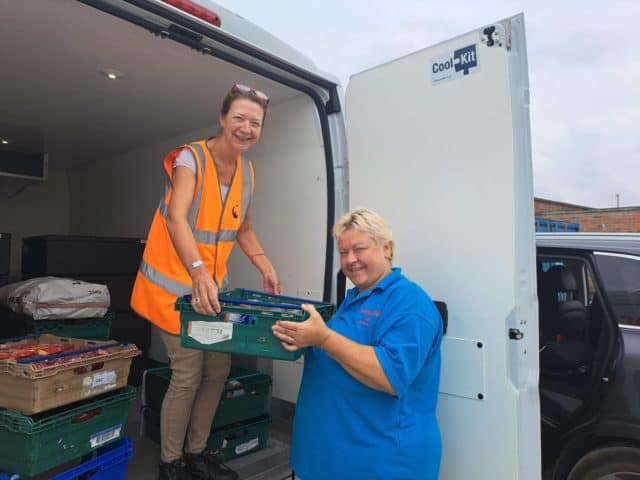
point(270, 463)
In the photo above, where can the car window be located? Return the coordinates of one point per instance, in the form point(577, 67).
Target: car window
point(621, 277)
point(584, 291)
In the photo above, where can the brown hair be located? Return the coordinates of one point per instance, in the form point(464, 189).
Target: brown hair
point(235, 94)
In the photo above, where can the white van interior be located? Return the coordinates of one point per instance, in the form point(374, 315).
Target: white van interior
point(105, 138)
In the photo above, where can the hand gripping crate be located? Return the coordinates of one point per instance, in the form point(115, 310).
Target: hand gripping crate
point(244, 324)
point(30, 386)
point(245, 395)
point(34, 444)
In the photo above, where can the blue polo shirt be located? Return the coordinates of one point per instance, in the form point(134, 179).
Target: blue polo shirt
point(344, 429)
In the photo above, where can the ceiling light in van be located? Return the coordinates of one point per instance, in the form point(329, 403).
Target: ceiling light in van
point(196, 10)
point(4, 141)
point(112, 74)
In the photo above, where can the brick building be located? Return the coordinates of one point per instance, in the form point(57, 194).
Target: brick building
point(623, 219)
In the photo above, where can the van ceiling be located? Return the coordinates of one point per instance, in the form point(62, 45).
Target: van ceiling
point(56, 99)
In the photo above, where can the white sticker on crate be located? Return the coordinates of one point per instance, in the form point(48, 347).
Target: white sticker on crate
point(210, 332)
point(105, 436)
point(245, 447)
point(104, 378)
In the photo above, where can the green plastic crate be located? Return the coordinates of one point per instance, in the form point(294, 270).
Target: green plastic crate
point(244, 324)
point(98, 328)
point(16, 325)
point(228, 442)
point(240, 439)
point(36, 443)
point(245, 395)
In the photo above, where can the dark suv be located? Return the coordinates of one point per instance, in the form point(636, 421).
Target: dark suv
point(589, 314)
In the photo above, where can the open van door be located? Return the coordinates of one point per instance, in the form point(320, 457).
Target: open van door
point(439, 144)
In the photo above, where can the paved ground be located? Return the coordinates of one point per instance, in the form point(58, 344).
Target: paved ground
point(271, 463)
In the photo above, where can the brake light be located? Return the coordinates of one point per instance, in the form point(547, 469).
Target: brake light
point(196, 10)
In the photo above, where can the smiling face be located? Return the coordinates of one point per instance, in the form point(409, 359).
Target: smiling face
point(242, 125)
point(363, 260)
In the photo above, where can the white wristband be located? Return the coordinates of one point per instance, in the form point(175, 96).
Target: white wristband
point(196, 264)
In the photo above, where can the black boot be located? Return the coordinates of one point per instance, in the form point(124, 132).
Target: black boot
point(176, 470)
point(205, 466)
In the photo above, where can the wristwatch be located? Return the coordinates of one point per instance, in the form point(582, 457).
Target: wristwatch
point(195, 264)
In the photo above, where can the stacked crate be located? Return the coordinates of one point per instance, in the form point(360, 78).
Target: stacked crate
point(14, 324)
point(110, 463)
point(242, 420)
point(5, 257)
point(243, 326)
point(110, 261)
point(59, 410)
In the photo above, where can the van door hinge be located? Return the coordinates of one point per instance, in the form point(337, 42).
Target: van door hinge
point(497, 35)
point(515, 334)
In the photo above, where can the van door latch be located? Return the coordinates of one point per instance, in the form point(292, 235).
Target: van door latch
point(515, 334)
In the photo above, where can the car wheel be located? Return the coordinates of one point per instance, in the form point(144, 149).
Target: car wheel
point(608, 463)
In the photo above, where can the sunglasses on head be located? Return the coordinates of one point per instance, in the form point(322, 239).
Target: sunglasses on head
point(238, 87)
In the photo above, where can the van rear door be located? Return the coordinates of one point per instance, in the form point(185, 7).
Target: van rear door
point(439, 144)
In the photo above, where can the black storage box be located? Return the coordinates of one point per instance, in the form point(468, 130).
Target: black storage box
point(5, 254)
point(75, 255)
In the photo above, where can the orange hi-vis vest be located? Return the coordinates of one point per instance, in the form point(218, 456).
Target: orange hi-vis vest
point(162, 276)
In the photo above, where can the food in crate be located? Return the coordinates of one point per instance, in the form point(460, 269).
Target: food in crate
point(17, 351)
point(44, 372)
point(71, 359)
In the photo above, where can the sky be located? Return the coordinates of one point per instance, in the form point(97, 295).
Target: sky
point(584, 73)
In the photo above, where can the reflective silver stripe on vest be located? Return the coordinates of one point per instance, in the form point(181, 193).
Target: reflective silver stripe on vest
point(246, 189)
point(210, 238)
point(163, 207)
point(227, 235)
point(203, 236)
point(155, 277)
point(195, 206)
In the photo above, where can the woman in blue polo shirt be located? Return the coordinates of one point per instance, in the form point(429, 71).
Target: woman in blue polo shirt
point(367, 403)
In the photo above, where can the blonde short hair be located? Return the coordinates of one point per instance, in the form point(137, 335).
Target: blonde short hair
point(368, 222)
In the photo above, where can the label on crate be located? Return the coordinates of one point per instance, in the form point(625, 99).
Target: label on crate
point(99, 381)
point(105, 436)
point(104, 378)
point(238, 318)
point(245, 447)
point(210, 332)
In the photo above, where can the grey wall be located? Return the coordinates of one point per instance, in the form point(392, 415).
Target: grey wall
point(29, 208)
point(117, 197)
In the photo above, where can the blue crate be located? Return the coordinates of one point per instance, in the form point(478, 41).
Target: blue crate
point(110, 464)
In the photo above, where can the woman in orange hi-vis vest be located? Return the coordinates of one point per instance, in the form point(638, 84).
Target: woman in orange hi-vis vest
point(205, 209)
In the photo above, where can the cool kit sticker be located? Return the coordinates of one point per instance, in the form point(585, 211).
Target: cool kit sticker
point(456, 64)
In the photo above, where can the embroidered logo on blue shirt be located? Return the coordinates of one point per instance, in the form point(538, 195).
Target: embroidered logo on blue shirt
point(369, 313)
